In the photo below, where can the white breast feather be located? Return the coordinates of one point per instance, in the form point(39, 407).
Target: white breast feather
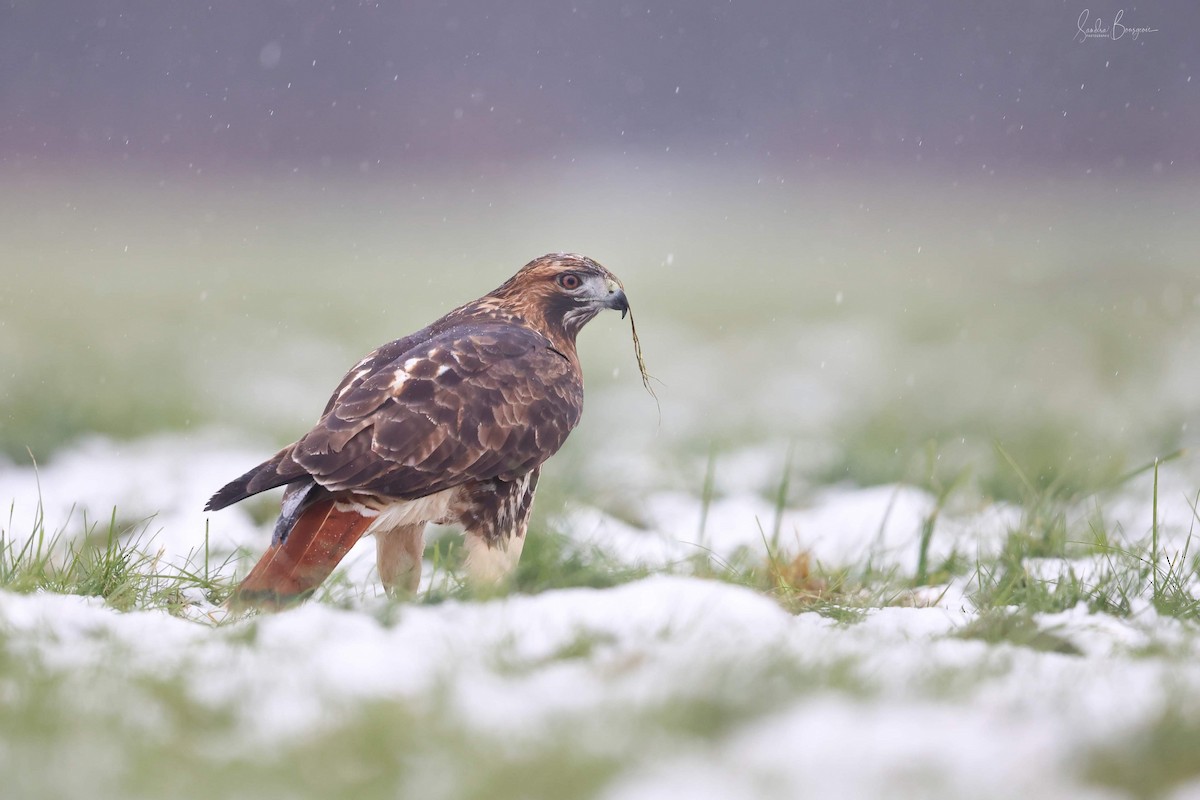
point(433, 508)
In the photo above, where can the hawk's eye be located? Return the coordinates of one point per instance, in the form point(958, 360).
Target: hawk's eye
point(569, 281)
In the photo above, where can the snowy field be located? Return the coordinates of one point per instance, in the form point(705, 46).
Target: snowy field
point(897, 532)
point(666, 686)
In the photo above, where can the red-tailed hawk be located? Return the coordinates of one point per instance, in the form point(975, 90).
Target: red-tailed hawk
point(450, 424)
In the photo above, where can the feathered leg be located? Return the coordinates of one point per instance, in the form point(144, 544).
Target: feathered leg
point(495, 516)
point(491, 562)
point(294, 567)
point(398, 555)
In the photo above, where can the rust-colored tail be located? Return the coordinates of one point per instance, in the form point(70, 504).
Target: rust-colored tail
point(292, 569)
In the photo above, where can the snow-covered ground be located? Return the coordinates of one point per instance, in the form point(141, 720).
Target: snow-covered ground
point(924, 713)
point(894, 705)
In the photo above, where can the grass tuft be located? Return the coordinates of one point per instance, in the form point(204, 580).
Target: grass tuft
point(552, 560)
point(114, 561)
point(1016, 628)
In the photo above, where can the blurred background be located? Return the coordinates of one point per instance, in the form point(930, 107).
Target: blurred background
point(862, 243)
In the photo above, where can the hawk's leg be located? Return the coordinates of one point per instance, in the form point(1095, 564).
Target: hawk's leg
point(491, 562)
point(495, 516)
point(398, 554)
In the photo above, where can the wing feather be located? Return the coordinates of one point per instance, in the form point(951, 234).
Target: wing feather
point(473, 403)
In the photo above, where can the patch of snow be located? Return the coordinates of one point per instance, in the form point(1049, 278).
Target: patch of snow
point(159, 483)
point(842, 526)
point(832, 747)
point(637, 547)
point(940, 715)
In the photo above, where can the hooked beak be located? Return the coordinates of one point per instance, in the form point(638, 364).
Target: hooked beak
point(618, 302)
point(616, 299)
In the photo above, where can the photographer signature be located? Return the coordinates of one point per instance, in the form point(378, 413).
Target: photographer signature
point(1097, 30)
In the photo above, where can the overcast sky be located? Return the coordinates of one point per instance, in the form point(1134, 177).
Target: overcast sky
point(278, 83)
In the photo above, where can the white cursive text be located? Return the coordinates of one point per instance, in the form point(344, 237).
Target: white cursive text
point(1097, 30)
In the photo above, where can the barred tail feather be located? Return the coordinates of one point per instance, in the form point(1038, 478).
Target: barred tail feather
point(276, 472)
point(293, 568)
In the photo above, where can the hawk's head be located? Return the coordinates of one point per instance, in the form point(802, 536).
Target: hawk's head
point(562, 292)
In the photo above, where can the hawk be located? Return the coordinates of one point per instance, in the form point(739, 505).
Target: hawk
point(450, 424)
